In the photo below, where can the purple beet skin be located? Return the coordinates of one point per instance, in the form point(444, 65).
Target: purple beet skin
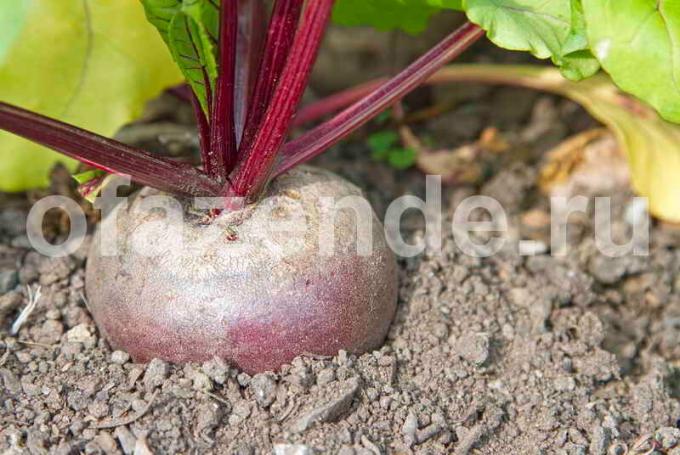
point(252, 286)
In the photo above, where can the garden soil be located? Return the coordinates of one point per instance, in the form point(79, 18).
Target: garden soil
point(500, 355)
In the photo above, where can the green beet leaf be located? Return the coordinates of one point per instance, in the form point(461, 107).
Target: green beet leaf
point(190, 29)
point(552, 29)
point(409, 15)
point(93, 64)
point(638, 44)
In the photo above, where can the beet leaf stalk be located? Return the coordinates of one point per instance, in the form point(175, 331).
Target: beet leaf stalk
point(335, 102)
point(253, 173)
point(326, 135)
point(107, 154)
point(222, 154)
point(252, 27)
point(280, 35)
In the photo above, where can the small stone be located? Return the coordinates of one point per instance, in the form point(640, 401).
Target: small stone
point(536, 219)
point(292, 449)
point(600, 440)
point(372, 394)
point(343, 357)
point(409, 428)
point(608, 270)
point(440, 331)
point(216, 369)
point(76, 426)
point(50, 332)
point(617, 448)
point(81, 334)
point(70, 350)
point(301, 377)
point(385, 402)
point(668, 437)
point(370, 446)
point(208, 418)
point(201, 381)
point(9, 303)
point(156, 372)
point(243, 449)
point(234, 419)
point(98, 408)
point(77, 400)
point(473, 347)
point(427, 433)
point(10, 381)
point(243, 379)
point(242, 409)
point(126, 439)
point(28, 272)
point(325, 376)
point(468, 437)
point(35, 441)
point(138, 405)
point(24, 356)
point(564, 383)
point(8, 280)
point(12, 221)
point(54, 269)
point(342, 397)
point(142, 447)
point(264, 388)
point(21, 241)
point(120, 357)
point(106, 442)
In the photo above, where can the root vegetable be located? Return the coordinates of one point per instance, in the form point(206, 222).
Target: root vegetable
point(280, 298)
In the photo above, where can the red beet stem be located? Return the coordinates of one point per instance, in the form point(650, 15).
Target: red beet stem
point(252, 175)
point(107, 154)
point(280, 36)
point(329, 133)
point(251, 31)
point(335, 102)
point(222, 151)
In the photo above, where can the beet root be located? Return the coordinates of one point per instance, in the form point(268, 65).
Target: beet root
point(238, 289)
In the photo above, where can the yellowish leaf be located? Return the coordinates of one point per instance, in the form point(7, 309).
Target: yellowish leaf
point(651, 144)
point(92, 63)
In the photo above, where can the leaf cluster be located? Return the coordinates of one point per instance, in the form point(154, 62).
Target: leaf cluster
point(637, 42)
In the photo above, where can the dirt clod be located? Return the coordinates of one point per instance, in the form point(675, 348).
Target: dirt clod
point(8, 280)
point(292, 449)
point(9, 303)
point(473, 347)
point(342, 395)
point(264, 388)
point(216, 369)
point(156, 372)
point(120, 357)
